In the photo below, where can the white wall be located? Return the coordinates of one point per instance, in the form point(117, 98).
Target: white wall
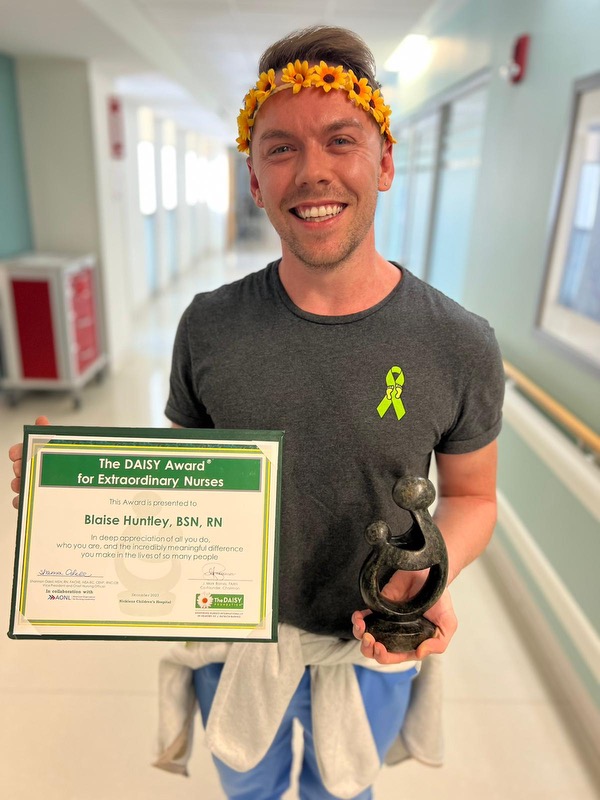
point(54, 101)
point(136, 255)
point(112, 193)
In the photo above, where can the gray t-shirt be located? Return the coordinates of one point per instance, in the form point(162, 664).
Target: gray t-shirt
point(363, 399)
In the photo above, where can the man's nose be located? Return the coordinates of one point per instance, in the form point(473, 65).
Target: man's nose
point(313, 167)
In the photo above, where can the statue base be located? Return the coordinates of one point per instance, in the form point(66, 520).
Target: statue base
point(399, 637)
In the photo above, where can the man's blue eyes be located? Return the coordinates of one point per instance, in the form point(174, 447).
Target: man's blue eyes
point(285, 148)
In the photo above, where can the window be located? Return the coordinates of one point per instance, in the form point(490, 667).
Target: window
point(570, 309)
point(218, 184)
point(168, 173)
point(202, 179)
point(580, 287)
point(425, 137)
point(191, 178)
point(146, 178)
point(424, 222)
point(457, 192)
point(398, 205)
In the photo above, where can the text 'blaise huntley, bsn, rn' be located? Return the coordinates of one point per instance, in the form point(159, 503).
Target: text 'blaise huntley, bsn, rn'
point(159, 522)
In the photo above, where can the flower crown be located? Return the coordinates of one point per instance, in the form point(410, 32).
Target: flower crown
point(299, 76)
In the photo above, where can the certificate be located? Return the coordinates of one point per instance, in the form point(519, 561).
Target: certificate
point(147, 534)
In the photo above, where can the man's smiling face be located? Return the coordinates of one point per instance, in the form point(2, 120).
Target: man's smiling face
point(316, 166)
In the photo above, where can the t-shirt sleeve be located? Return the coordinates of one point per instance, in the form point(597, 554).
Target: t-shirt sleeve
point(184, 406)
point(479, 414)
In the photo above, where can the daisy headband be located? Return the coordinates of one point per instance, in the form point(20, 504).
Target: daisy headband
point(298, 76)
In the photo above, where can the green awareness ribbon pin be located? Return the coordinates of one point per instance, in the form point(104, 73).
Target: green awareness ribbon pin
point(395, 381)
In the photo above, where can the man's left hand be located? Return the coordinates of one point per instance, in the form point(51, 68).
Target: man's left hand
point(441, 614)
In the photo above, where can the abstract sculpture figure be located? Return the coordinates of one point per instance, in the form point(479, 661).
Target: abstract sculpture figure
point(400, 625)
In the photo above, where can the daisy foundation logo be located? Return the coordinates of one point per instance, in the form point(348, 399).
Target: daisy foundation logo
point(221, 601)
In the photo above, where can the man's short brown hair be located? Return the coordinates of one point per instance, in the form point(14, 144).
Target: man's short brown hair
point(336, 46)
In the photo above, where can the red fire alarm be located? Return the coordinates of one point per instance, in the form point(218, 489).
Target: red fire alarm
point(519, 59)
point(116, 129)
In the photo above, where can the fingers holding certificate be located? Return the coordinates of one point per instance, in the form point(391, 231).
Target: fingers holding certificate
point(147, 534)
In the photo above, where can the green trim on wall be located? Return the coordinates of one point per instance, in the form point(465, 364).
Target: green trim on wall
point(15, 224)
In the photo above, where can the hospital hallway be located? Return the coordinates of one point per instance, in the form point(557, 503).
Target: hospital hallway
point(79, 717)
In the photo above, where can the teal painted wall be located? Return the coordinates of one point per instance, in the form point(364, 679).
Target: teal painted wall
point(575, 554)
point(15, 228)
point(525, 131)
point(564, 640)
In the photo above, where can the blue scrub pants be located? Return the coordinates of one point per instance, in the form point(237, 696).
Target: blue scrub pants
point(385, 696)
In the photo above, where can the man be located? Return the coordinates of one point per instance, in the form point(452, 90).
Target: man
point(307, 346)
point(368, 371)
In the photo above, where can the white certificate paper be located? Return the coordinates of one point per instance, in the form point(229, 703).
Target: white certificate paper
point(147, 533)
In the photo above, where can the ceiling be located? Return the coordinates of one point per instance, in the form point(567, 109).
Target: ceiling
point(192, 60)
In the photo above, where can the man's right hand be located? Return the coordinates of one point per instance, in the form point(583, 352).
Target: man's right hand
point(15, 454)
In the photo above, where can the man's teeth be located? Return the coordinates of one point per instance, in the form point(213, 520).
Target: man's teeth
point(319, 211)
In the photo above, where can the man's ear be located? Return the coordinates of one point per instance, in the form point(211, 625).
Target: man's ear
point(254, 187)
point(386, 175)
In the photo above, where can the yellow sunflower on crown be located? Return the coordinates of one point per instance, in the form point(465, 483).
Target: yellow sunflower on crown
point(298, 74)
point(244, 124)
point(359, 91)
point(251, 102)
point(265, 85)
point(378, 107)
point(327, 77)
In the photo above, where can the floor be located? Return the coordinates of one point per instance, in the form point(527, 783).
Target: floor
point(78, 718)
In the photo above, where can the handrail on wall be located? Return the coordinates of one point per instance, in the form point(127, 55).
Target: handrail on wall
point(582, 433)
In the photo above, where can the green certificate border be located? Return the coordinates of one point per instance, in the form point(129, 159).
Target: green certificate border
point(196, 440)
